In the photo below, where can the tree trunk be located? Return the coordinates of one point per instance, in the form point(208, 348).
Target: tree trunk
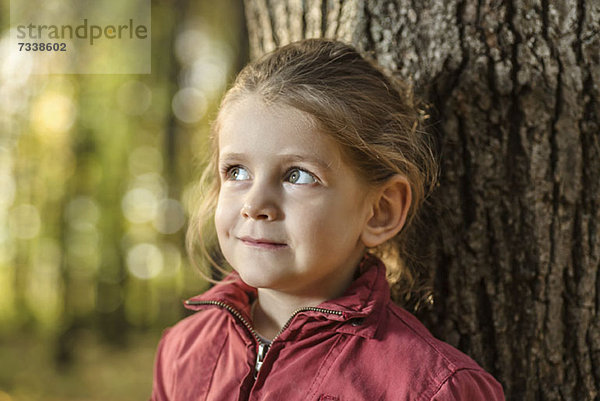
point(515, 90)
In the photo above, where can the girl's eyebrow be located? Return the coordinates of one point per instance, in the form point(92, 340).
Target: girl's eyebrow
point(285, 157)
point(230, 155)
point(307, 159)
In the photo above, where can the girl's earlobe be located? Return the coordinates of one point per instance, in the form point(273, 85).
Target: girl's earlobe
point(390, 207)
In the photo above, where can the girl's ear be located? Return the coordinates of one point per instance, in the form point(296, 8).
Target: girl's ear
point(390, 206)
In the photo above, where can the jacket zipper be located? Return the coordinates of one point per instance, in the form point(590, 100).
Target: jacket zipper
point(307, 309)
point(262, 347)
point(260, 357)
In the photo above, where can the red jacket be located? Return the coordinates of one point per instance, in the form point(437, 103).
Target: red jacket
point(360, 346)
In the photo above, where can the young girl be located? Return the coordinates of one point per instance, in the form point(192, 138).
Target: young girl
point(318, 167)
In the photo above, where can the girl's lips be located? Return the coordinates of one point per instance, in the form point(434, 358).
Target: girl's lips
point(262, 243)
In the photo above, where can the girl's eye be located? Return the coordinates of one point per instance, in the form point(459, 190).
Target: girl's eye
point(237, 173)
point(298, 176)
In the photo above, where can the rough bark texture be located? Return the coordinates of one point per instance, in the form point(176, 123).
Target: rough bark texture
point(515, 86)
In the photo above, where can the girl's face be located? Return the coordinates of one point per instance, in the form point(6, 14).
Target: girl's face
point(290, 211)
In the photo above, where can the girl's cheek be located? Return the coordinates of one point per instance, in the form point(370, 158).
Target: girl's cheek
point(219, 217)
point(225, 211)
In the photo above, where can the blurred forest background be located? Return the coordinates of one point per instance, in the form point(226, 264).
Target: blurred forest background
point(96, 173)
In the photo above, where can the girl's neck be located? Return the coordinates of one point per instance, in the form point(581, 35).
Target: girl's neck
point(272, 309)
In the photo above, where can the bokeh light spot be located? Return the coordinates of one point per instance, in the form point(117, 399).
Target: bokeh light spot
point(153, 182)
point(189, 105)
point(53, 114)
point(139, 205)
point(170, 216)
point(145, 261)
point(207, 75)
point(192, 44)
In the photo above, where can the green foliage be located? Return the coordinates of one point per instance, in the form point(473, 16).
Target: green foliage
point(99, 371)
point(93, 173)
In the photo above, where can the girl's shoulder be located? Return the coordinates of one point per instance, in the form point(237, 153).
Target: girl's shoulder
point(212, 311)
point(200, 327)
point(440, 370)
point(403, 326)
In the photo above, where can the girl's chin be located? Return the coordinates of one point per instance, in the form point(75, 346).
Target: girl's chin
point(261, 279)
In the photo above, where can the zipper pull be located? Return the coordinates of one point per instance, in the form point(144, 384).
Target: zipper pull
point(260, 357)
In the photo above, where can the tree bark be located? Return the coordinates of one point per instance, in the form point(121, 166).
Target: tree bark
point(515, 89)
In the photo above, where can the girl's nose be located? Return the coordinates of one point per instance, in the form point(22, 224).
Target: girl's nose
point(260, 205)
point(250, 211)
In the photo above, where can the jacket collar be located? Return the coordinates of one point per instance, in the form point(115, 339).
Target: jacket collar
point(361, 304)
point(365, 299)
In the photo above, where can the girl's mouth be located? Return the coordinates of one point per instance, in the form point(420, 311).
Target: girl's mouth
point(263, 243)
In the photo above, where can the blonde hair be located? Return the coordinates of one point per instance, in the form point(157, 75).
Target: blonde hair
point(372, 116)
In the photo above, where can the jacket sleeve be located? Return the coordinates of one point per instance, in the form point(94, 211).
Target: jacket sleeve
point(470, 384)
point(162, 379)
